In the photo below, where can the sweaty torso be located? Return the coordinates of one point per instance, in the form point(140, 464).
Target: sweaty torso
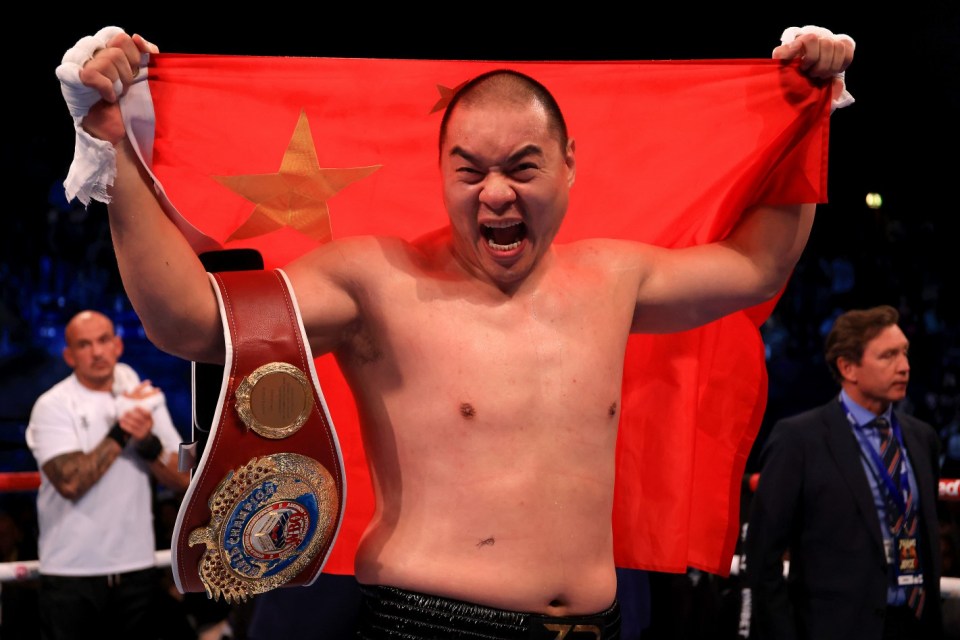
point(490, 422)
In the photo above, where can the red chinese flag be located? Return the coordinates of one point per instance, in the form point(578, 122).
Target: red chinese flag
point(667, 153)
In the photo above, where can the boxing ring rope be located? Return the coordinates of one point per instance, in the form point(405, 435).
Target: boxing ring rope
point(29, 569)
point(19, 481)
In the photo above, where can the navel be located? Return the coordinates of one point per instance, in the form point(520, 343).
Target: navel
point(486, 542)
point(467, 410)
point(612, 411)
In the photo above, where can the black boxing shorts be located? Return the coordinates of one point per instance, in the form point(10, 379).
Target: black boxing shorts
point(398, 614)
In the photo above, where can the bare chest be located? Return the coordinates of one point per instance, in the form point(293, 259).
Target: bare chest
point(550, 357)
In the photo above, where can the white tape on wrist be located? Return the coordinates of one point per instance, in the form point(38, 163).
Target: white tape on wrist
point(93, 170)
point(94, 166)
point(841, 97)
point(150, 403)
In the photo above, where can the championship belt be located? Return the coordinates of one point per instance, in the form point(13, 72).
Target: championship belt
point(266, 500)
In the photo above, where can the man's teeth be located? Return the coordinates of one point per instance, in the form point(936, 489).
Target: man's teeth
point(495, 229)
point(503, 247)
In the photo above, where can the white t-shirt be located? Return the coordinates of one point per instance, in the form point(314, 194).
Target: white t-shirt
point(110, 528)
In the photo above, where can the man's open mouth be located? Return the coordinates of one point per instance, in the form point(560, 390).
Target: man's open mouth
point(504, 236)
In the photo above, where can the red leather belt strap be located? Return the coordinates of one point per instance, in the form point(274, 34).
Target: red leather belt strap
point(261, 326)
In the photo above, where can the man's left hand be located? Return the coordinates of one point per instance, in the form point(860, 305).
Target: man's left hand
point(822, 55)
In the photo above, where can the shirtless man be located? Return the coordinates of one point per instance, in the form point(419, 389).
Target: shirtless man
point(486, 368)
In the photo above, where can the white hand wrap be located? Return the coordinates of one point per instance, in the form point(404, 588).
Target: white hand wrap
point(94, 166)
point(841, 97)
point(79, 97)
point(152, 402)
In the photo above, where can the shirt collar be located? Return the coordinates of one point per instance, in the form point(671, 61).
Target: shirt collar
point(861, 415)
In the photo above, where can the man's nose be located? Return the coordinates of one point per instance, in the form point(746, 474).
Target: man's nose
point(497, 192)
point(904, 363)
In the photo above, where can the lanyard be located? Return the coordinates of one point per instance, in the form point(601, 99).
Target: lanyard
point(898, 497)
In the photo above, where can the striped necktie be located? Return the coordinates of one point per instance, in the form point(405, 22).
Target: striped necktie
point(907, 524)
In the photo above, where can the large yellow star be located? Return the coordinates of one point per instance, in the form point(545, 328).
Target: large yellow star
point(297, 195)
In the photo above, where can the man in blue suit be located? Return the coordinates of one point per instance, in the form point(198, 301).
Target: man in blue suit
point(849, 491)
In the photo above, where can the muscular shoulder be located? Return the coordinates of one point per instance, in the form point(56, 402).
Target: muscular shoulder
point(621, 257)
point(605, 251)
point(349, 260)
point(333, 284)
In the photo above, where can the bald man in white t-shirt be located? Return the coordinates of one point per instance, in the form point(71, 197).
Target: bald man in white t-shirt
point(98, 437)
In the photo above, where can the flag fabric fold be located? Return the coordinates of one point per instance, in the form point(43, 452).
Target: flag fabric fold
point(668, 152)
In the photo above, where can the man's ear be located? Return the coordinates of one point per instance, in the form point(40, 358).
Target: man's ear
point(68, 358)
point(847, 369)
point(119, 344)
point(570, 158)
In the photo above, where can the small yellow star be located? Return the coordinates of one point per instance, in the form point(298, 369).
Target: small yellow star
point(297, 195)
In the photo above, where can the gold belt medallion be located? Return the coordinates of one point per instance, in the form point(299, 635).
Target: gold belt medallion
point(275, 400)
point(269, 518)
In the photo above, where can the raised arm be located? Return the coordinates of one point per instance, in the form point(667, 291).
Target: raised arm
point(163, 277)
point(684, 288)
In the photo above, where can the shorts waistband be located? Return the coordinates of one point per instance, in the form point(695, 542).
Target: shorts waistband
point(400, 614)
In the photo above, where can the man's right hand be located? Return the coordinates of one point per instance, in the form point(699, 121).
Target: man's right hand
point(138, 422)
point(135, 409)
point(110, 72)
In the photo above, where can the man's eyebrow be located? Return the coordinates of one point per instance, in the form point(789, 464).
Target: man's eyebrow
point(892, 351)
point(530, 149)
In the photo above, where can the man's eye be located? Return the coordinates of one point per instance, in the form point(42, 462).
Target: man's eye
point(524, 171)
point(469, 174)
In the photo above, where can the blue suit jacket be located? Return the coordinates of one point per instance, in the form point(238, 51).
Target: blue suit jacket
point(813, 500)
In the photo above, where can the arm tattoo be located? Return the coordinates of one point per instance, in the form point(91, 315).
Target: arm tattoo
point(74, 473)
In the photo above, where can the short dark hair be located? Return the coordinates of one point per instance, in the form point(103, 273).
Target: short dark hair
point(510, 85)
point(852, 331)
